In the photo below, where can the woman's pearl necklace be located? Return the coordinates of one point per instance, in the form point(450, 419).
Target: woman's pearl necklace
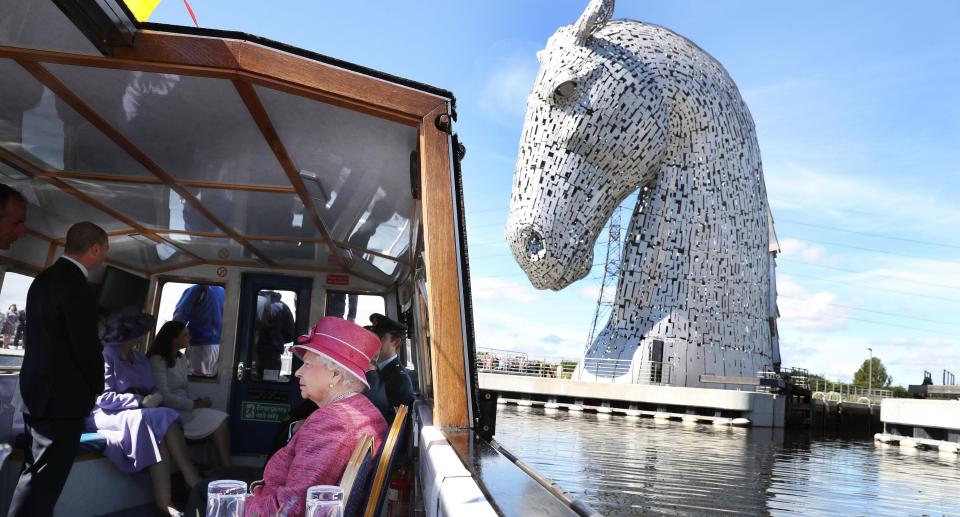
point(342, 396)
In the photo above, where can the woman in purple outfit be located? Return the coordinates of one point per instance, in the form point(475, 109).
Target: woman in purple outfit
point(139, 434)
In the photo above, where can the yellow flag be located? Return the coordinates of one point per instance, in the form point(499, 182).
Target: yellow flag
point(142, 9)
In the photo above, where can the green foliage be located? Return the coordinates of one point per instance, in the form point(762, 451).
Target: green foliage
point(568, 368)
point(878, 371)
point(900, 392)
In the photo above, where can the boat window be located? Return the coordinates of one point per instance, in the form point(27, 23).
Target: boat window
point(354, 307)
point(13, 303)
point(137, 249)
point(194, 172)
point(195, 128)
point(258, 213)
point(30, 250)
point(200, 306)
point(295, 251)
point(40, 126)
point(40, 24)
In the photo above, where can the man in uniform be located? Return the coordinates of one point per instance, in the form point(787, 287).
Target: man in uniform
point(393, 374)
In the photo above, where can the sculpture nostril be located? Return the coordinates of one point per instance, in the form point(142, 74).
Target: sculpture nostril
point(533, 247)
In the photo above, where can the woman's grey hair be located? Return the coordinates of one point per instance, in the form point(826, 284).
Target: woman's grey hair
point(347, 379)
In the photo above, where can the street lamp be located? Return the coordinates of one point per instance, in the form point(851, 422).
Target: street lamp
point(870, 373)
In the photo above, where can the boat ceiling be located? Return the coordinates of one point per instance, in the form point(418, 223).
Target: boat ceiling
point(198, 166)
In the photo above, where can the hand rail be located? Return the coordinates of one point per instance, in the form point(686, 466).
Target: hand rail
point(491, 360)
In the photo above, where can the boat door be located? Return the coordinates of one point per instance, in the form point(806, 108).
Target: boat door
point(274, 310)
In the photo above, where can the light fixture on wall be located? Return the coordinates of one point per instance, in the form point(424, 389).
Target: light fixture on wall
point(312, 182)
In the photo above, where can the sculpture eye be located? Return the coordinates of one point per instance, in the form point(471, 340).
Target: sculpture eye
point(565, 91)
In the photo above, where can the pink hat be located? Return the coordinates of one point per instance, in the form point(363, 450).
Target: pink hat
point(343, 342)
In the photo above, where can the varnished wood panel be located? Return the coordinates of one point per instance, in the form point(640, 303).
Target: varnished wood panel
point(257, 59)
point(182, 49)
point(153, 180)
point(440, 256)
point(62, 58)
point(183, 54)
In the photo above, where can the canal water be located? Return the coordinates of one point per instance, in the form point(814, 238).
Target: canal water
point(635, 466)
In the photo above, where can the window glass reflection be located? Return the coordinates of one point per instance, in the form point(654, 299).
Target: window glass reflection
point(274, 330)
point(354, 307)
point(200, 306)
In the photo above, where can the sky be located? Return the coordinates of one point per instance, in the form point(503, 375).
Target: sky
point(857, 109)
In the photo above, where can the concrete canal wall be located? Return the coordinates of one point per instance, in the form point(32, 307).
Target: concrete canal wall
point(922, 413)
point(921, 423)
point(762, 409)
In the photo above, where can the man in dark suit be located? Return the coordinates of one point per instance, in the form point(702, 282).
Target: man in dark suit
point(62, 371)
point(393, 375)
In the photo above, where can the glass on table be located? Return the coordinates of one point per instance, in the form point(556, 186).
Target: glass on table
point(225, 498)
point(324, 501)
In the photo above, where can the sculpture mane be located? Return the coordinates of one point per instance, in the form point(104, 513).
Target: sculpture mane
point(623, 106)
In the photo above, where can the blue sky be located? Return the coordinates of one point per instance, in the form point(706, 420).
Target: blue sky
point(857, 107)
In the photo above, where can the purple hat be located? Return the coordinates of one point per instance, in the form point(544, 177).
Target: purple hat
point(343, 342)
point(125, 325)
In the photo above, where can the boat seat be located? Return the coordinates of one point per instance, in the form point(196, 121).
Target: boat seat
point(90, 443)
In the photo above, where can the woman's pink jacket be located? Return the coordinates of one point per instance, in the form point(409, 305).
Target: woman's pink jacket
point(316, 455)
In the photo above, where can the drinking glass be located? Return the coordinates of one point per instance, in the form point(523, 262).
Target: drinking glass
point(324, 501)
point(225, 498)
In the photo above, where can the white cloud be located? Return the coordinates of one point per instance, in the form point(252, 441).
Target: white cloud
point(505, 91)
point(924, 277)
point(801, 309)
point(589, 291)
point(543, 337)
point(862, 203)
point(498, 289)
point(798, 249)
point(837, 357)
point(906, 358)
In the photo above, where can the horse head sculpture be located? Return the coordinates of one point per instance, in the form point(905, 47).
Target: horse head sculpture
point(620, 107)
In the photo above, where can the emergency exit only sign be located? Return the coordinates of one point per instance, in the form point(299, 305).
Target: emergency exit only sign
point(338, 279)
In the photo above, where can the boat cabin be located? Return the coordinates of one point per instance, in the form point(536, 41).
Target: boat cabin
point(223, 159)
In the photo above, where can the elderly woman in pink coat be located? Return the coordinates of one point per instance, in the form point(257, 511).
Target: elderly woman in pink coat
point(335, 355)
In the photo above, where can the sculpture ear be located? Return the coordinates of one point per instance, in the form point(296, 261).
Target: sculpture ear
point(597, 14)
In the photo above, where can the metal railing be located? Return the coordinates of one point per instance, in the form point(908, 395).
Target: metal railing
point(840, 392)
point(505, 362)
point(799, 377)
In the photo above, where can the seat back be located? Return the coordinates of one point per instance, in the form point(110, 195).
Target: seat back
point(381, 479)
point(356, 476)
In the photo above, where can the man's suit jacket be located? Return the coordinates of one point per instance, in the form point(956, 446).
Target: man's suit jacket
point(62, 371)
point(397, 383)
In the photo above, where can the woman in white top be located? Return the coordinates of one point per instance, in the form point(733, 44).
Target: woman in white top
point(171, 371)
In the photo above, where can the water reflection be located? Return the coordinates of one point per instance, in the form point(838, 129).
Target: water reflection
point(630, 466)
